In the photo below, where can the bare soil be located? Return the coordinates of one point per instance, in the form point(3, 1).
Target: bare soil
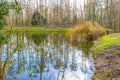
point(107, 64)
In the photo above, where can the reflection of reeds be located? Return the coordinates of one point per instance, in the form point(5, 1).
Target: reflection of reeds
point(87, 31)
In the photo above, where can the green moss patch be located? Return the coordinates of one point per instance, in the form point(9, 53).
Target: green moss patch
point(117, 52)
point(106, 42)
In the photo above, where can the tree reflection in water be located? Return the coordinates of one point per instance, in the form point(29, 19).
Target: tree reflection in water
point(44, 57)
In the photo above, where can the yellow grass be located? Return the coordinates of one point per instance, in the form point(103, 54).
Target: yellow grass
point(86, 31)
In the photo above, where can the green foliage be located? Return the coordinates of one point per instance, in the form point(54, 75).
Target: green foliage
point(4, 10)
point(16, 7)
point(38, 19)
point(95, 78)
point(2, 23)
point(3, 38)
point(117, 52)
point(106, 42)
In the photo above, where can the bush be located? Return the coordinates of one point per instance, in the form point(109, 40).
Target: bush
point(86, 31)
point(38, 19)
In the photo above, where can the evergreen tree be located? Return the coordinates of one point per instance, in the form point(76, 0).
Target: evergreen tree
point(38, 19)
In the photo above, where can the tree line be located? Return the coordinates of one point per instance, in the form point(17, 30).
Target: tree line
point(65, 13)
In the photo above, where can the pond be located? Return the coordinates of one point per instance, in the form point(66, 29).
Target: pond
point(44, 57)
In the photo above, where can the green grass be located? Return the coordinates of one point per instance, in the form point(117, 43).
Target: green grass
point(36, 30)
point(106, 42)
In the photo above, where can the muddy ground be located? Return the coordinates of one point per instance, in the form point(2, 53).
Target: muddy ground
point(107, 64)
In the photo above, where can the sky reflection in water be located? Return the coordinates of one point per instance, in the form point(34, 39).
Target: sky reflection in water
point(45, 57)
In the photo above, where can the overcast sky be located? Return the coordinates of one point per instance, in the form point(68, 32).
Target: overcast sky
point(79, 2)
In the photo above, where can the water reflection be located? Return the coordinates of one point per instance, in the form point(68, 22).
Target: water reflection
point(44, 57)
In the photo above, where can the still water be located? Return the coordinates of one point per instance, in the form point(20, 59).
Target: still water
point(44, 57)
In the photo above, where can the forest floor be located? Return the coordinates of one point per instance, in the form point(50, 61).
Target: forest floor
point(107, 57)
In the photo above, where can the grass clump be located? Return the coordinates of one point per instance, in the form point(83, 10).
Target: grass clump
point(87, 31)
point(107, 42)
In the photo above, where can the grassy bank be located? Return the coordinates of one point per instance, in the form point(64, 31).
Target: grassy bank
point(36, 30)
point(106, 53)
point(107, 42)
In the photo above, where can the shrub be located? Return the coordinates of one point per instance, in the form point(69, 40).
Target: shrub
point(86, 31)
point(38, 19)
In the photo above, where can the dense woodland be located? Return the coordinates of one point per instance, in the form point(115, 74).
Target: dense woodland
point(64, 13)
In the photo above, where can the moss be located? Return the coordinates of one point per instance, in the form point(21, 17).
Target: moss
point(107, 73)
point(103, 75)
point(117, 52)
point(95, 78)
point(106, 42)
